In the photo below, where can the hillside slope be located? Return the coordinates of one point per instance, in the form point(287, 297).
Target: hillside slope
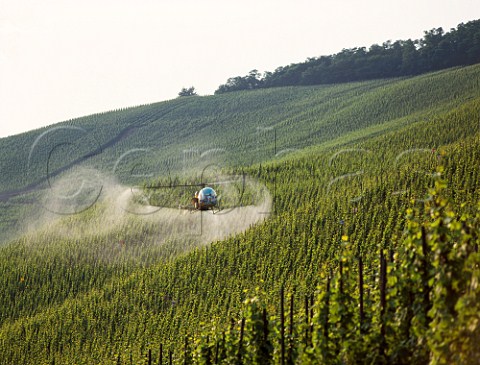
point(301, 116)
point(183, 136)
point(109, 294)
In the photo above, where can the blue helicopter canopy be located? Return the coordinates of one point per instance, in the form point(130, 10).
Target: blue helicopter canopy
point(207, 192)
point(207, 198)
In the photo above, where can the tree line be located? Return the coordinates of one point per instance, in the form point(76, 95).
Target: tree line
point(435, 51)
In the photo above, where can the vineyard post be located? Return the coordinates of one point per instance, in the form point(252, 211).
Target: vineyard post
point(282, 326)
point(217, 347)
point(170, 356)
point(311, 315)
point(265, 325)
point(160, 355)
point(240, 343)
point(360, 285)
point(185, 350)
point(425, 276)
point(307, 321)
point(341, 276)
point(327, 310)
point(223, 341)
point(383, 302)
point(149, 356)
point(209, 351)
point(290, 330)
point(342, 311)
point(274, 200)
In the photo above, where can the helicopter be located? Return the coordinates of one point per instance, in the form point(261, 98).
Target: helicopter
point(206, 198)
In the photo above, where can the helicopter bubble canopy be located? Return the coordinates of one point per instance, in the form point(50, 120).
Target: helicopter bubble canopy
point(207, 193)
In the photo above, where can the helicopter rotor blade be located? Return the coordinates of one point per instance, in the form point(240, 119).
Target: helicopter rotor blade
point(223, 182)
point(173, 186)
point(241, 179)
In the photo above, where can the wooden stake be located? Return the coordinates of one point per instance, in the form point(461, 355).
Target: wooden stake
point(185, 351)
point(265, 325)
point(282, 327)
point(290, 330)
point(240, 344)
point(327, 307)
point(425, 276)
point(383, 302)
point(307, 320)
point(311, 315)
point(360, 285)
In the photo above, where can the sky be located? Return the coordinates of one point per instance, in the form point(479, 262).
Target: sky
point(62, 59)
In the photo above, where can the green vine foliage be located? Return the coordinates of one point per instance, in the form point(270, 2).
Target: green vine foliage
point(382, 265)
point(431, 306)
point(454, 329)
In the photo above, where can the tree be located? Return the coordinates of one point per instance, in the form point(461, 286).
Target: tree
point(187, 92)
point(436, 50)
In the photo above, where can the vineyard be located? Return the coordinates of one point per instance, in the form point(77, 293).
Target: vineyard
point(230, 130)
point(368, 253)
